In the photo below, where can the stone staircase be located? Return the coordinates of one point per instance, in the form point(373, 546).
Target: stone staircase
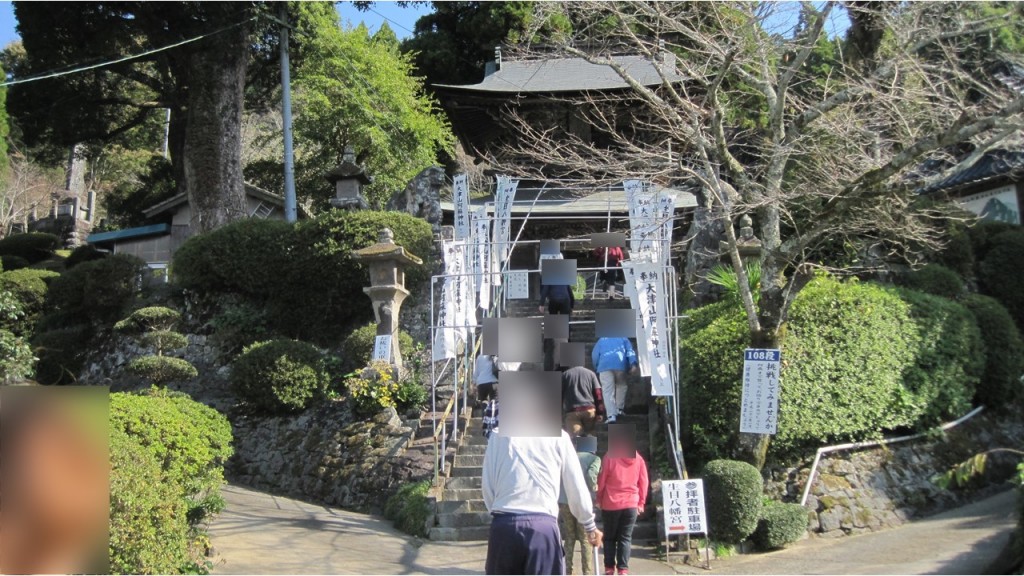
point(461, 514)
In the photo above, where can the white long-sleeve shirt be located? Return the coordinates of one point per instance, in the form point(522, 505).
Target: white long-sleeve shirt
point(523, 475)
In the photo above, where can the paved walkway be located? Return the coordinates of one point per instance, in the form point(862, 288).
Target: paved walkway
point(263, 534)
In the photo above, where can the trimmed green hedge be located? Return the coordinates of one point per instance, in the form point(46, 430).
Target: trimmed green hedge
point(61, 354)
point(732, 491)
point(949, 358)
point(168, 481)
point(280, 376)
point(780, 524)
point(29, 287)
point(32, 246)
point(98, 291)
point(303, 276)
point(148, 319)
point(1001, 273)
point(161, 370)
point(982, 234)
point(935, 279)
point(84, 253)
point(357, 348)
point(9, 262)
point(1000, 384)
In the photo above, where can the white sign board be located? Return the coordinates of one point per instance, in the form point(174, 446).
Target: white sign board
point(999, 204)
point(759, 408)
point(382, 348)
point(684, 507)
point(518, 285)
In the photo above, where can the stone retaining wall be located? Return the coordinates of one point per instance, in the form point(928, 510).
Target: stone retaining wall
point(859, 491)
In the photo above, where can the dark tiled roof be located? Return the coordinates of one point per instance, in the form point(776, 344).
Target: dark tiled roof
point(994, 164)
point(569, 75)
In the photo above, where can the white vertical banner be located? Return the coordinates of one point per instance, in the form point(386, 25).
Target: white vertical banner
point(643, 215)
point(482, 265)
point(504, 195)
point(467, 288)
point(759, 404)
point(651, 300)
point(642, 353)
point(666, 213)
point(460, 197)
point(449, 313)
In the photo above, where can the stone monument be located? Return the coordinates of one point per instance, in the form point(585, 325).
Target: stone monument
point(747, 243)
point(348, 180)
point(387, 262)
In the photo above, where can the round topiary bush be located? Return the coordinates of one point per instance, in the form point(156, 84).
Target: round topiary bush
point(949, 358)
point(732, 491)
point(32, 246)
point(1000, 384)
point(935, 279)
point(61, 354)
point(280, 376)
point(1001, 273)
point(97, 291)
point(357, 347)
point(780, 524)
point(161, 370)
point(84, 253)
point(9, 262)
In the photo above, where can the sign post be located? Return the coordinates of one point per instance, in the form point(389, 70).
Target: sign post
point(685, 513)
point(382, 348)
point(759, 406)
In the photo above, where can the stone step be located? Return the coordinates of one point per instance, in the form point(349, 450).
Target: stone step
point(462, 494)
point(464, 519)
point(468, 534)
point(460, 471)
point(460, 506)
point(464, 459)
point(473, 450)
point(464, 483)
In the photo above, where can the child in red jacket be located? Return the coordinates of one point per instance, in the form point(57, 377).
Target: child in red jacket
point(621, 494)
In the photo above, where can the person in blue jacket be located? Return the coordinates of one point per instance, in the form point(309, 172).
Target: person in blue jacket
point(612, 358)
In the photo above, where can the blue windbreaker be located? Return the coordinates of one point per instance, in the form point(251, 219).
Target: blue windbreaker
point(613, 354)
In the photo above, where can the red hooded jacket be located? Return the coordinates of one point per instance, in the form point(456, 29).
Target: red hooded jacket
point(622, 483)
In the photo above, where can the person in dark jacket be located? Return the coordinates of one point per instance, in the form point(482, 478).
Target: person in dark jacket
point(558, 297)
point(582, 401)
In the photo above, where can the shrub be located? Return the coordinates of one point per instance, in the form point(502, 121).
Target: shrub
point(410, 394)
point(29, 287)
point(84, 253)
point(982, 234)
point(11, 262)
point(280, 375)
point(958, 254)
point(845, 350)
point(733, 493)
point(148, 319)
point(1001, 273)
point(373, 389)
point(1000, 383)
point(16, 359)
point(357, 347)
point(935, 279)
point(780, 524)
point(190, 443)
point(161, 370)
point(409, 508)
point(32, 246)
point(96, 291)
point(949, 358)
point(239, 324)
point(304, 276)
point(61, 354)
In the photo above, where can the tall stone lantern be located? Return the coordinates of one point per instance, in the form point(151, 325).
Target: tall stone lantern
point(348, 180)
point(387, 262)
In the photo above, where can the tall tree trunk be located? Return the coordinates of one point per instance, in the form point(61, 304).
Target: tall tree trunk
point(176, 146)
point(213, 134)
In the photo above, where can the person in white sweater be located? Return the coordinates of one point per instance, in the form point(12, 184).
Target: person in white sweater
point(522, 477)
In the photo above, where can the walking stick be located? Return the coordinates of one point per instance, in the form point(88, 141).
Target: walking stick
point(597, 567)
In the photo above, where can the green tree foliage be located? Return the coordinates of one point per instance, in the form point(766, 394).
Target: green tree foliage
point(28, 287)
point(303, 276)
point(94, 292)
point(16, 359)
point(857, 360)
point(451, 44)
point(5, 128)
point(280, 376)
point(360, 91)
point(168, 454)
point(935, 279)
point(733, 492)
point(1000, 387)
point(126, 202)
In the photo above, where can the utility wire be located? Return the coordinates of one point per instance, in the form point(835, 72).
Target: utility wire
point(47, 75)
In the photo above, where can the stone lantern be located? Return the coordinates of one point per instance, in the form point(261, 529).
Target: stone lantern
point(749, 246)
point(387, 262)
point(348, 180)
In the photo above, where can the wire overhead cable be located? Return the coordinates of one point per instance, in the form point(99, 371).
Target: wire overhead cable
point(47, 75)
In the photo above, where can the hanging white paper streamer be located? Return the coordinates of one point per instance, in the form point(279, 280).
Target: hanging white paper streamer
point(651, 301)
point(460, 196)
point(505, 194)
point(482, 265)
